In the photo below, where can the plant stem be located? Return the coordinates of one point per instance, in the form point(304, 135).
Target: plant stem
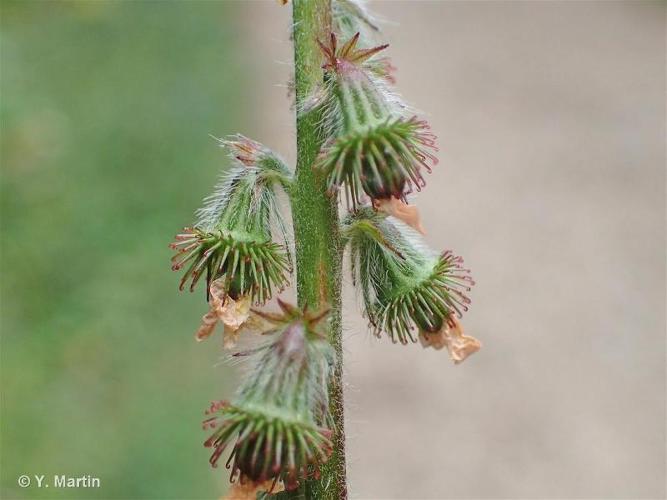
point(316, 230)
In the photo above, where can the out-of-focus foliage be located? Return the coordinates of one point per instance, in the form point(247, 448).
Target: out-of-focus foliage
point(106, 111)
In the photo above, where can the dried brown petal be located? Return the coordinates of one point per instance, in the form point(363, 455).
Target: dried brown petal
point(233, 313)
point(249, 489)
point(208, 322)
point(435, 340)
point(217, 294)
point(401, 210)
point(451, 335)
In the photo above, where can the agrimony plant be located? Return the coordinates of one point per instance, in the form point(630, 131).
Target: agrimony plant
point(284, 428)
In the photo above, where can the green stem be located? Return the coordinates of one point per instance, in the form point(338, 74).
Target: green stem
point(316, 229)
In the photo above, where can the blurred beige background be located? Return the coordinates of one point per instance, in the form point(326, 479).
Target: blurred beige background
point(551, 119)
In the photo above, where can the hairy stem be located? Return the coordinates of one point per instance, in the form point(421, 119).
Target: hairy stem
point(316, 229)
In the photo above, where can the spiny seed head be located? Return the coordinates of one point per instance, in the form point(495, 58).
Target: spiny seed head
point(355, 92)
point(382, 161)
point(405, 286)
point(232, 238)
point(279, 423)
point(427, 303)
point(292, 371)
point(247, 267)
point(245, 196)
point(266, 447)
point(375, 148)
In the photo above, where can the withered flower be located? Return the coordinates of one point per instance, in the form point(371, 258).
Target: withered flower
point(402, 211)
point(235, 315)
point(248, 490)
point(451, 336)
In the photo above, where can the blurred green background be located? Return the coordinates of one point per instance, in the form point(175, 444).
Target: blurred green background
point(107, 107)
